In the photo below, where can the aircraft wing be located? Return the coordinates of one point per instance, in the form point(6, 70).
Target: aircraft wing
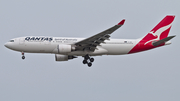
point(93, 41)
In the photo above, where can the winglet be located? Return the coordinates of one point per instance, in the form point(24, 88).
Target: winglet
point(122, 22)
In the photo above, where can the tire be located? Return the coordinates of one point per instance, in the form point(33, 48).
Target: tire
point(92, 59)
point(84, 61)
point(86, 57)
point(90, 64)
point(23, 57)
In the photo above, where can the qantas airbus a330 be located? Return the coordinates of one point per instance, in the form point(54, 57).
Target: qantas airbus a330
point(69, 48)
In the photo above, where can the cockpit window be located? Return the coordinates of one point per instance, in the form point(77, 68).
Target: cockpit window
point(11, 41)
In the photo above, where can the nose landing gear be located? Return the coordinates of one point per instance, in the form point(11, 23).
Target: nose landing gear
point(23, 57)
point(87, 60)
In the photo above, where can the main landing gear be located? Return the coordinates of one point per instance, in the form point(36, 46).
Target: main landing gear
point(87, 60)
point(23, 57)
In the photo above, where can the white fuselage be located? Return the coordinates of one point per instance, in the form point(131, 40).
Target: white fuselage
point(50, 45)
point(69, 48)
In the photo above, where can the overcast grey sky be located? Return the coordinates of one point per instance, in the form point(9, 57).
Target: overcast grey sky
point(148, 76)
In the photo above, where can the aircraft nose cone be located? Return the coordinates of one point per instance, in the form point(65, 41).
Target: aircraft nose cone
point(6, 44)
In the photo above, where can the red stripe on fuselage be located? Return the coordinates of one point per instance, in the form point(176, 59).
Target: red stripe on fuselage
point(141, 46)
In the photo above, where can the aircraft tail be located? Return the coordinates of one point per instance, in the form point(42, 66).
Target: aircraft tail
point(158, 36)
point(161, 30)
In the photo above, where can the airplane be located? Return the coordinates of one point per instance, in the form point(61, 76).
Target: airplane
point(66, 48)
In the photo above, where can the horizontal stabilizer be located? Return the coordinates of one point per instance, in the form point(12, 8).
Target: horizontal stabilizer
point(157, 43)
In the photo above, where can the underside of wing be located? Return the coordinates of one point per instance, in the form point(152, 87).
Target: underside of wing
point(92, 42)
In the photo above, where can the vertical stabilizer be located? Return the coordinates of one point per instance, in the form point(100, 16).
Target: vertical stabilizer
point(159, 32)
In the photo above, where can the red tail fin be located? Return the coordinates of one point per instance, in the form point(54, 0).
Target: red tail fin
point(160, 31)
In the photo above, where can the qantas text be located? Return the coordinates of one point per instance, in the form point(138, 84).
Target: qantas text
point(38, 39)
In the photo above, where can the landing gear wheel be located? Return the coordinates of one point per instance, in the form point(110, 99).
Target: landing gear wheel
point(23, 57)
point(92, 59)
point(84, 61)
point(90, 64)
point(87, 60)
point(86, 57)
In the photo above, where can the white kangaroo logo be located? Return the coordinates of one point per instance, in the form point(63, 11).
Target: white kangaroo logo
point(158, 32)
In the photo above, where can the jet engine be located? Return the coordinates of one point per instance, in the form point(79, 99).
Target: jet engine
point(59, 57)
point(65, 48)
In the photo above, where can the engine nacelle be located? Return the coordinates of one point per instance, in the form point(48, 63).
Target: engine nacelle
point(64, 48)
point(59, 57)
